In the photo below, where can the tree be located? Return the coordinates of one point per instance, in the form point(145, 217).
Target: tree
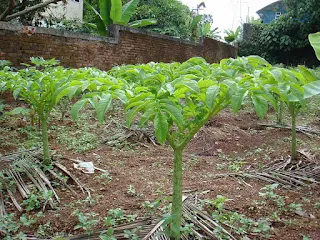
point(25, 10)
point(286, 40)
point(173, 17)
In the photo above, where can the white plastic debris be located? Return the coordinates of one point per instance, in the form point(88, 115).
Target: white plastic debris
point(86, 167)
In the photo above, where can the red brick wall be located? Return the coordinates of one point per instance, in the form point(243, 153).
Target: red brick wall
point(124, 47)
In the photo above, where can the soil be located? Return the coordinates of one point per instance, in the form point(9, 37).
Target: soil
point(148, 168)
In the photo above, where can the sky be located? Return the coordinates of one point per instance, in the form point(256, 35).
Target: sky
point(228, 14)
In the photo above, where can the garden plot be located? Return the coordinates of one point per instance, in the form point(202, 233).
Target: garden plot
point(137, 175)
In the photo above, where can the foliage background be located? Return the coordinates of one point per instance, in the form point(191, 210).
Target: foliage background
point(286, 40)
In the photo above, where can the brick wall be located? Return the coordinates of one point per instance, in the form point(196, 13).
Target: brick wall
point(122, 46)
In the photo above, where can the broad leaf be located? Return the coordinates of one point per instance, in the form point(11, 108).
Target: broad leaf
point(311, 89)
point(142, 23)
point(116, 11)
point(102, 106)
point(211, 95)
point(105, 9)
point(77, 107)
point(161, 127)
point(237, 100)
point(101, 25)
point(260, 105)
point(175, 113)
point(128, 10)
point(315, 43)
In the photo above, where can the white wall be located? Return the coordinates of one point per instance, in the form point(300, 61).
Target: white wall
point(70, 11)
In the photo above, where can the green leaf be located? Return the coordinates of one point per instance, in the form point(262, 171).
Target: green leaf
point(192, 85)
point(195, 21)
point(260, 105)
point(311, 89)
point(116, 11)
point(105, 9)
point(237, 100)
point(133, 112)
point(142, 23)
point(102, 106)
point(175, 113)
point(128, 10)
point(77, 107)
point(211, 95)
point(315, 43)
point(161, 127)
point(307, 74)
point(147, 115)
point(101, 24)
point(19, 110)
point(16, 93)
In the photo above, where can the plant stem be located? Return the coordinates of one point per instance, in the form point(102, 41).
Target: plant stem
point(177, 194)
point(293, 132)
point(280, 113)
point(45, 141)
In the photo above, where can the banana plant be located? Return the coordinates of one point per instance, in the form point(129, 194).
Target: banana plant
point(40, 85)
point(314, 39)
point(232, 36)
point(112, 12)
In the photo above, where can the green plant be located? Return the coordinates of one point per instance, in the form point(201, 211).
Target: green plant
point(35, 201)
point(86, 220)
point(131, 191)
point(132, 234)
point(112, 12)
point(44, 230)
point(105, 177)
point(232, 36)
point(314, 40)
point(41, 86)
point(10, 226)
point(107, 234)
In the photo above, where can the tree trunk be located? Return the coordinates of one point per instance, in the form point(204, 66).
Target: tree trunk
point(177, 195)
point(45, 141)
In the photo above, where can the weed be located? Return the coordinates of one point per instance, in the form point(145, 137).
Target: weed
point(105, 177)
point(132, 234)
point(132, 191)
point(44, 230)
point(86, 220)
point(107, 235)
point(34, 201)
point(80, 140)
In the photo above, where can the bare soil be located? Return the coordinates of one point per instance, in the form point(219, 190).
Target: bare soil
point(223, 140)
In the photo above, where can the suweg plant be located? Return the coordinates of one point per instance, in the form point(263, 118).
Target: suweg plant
point(179, 99)
point(293, 87)
point(270, 85)
point(41, 85)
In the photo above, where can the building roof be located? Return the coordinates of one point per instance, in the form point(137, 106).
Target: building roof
point(268, 6)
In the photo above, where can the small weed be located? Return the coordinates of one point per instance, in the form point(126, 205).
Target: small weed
point(44, 230)
point(86, 220)
point(132, 191)
point(105, 177)
point(80, 140)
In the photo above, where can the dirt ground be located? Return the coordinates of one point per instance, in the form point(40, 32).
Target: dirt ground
point(225, 144)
